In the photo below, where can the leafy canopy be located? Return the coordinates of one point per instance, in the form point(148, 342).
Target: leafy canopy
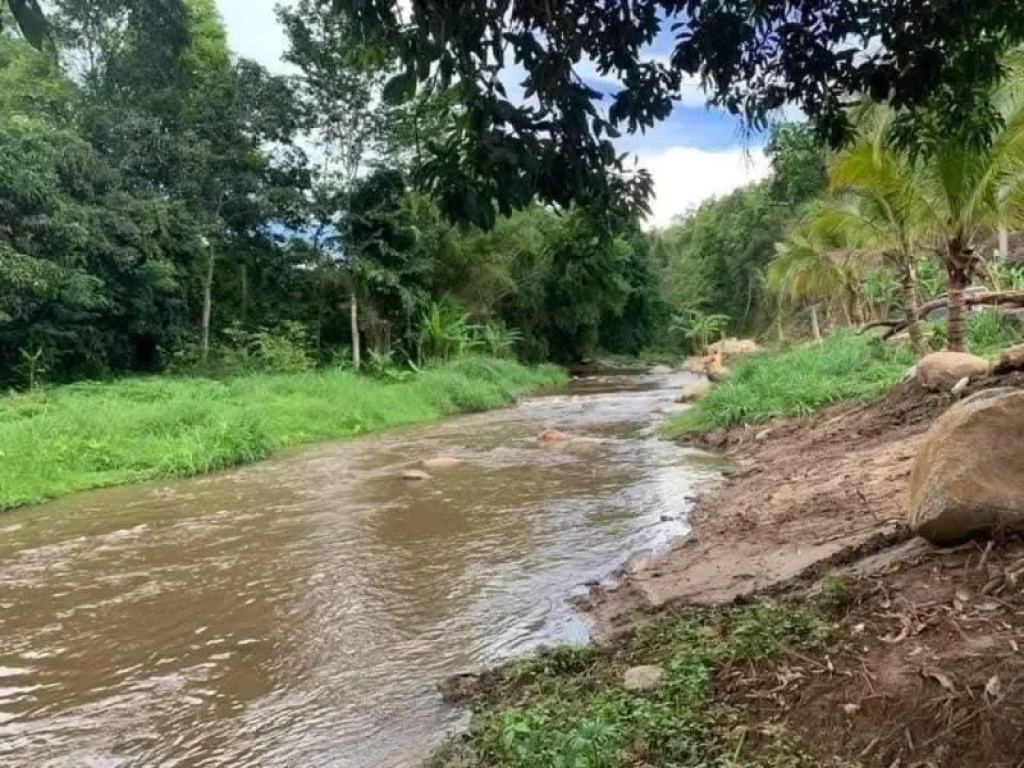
point(752, 57)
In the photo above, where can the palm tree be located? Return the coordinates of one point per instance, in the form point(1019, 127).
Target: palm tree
point(806, 270)
point(960, 191)
point(881, 209)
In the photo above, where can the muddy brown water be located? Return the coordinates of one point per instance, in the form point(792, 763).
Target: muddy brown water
point(300, 612)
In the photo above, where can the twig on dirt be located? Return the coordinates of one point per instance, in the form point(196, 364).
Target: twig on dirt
point(803, 658)
point(984, 555)
point(867, 750)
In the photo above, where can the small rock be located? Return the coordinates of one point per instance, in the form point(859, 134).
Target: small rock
point(415, 474)
point(645, 678)
point(659, 370)
point(960, 386)
point(718, 373)
point(694, 391)
point(763, 435)
point(441, 462)
point(851, 709)
point(941, 370)
point(694, 364)
point(551, 437)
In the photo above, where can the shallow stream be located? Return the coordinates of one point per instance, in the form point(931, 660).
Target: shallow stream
point(300, 612)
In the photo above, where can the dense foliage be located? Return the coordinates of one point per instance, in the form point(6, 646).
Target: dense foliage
point(166, 205)
point(752, 57)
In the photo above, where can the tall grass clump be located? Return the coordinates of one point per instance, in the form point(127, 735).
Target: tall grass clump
point(58, 441)
point(796, 381)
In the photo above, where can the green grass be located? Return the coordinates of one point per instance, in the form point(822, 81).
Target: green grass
point(796, 381)
point(988, 333)
point(58, 441)
point(566, 707)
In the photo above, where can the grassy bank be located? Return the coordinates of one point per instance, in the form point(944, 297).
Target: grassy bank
point(796, 381)
point(568, 706)
point(73, 438)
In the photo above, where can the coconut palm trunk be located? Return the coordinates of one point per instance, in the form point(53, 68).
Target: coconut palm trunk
point(959, 271)
point(815, 326)
point(957, 320)
point(908, 286)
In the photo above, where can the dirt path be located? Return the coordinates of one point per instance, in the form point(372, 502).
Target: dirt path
point(805, 496)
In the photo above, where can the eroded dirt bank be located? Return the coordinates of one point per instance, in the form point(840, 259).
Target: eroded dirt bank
point(802, 492)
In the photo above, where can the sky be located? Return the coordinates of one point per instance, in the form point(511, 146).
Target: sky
point(696, 154)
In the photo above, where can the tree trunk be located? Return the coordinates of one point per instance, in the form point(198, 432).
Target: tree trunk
point(779, 328)
point(815, 327)
point(908, 284)
point(207, 306)
point(243, 276)
point(354, 320)
point(845, 306)
point(956, 329)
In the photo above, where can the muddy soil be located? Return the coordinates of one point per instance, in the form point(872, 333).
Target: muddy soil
point(927, 668)
point(804, 496)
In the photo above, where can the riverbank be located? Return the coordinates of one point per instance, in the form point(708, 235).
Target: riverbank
point(800, 625)
point(73, 438)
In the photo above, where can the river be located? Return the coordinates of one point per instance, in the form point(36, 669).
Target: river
point(300, 612)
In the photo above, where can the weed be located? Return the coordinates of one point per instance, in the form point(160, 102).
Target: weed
point(567, 706)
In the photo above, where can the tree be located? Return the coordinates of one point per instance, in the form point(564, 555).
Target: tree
point(753, 58)
point(959, 191)
point(805, 269)
point(31, 20)
point(883, 210)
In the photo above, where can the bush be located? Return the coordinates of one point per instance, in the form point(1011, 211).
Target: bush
point(282, 350)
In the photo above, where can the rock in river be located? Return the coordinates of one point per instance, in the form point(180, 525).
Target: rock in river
point(459, 688)
point(415, 474)
point(969, 474)
point(441, 462)
point(644, 678)
point(551, 437)
point(941, 370)
point(695, 391)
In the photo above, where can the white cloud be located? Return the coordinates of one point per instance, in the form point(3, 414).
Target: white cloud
point(684, 177)
point(254, 31)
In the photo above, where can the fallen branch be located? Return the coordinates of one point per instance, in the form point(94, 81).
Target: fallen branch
point(991, 298)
